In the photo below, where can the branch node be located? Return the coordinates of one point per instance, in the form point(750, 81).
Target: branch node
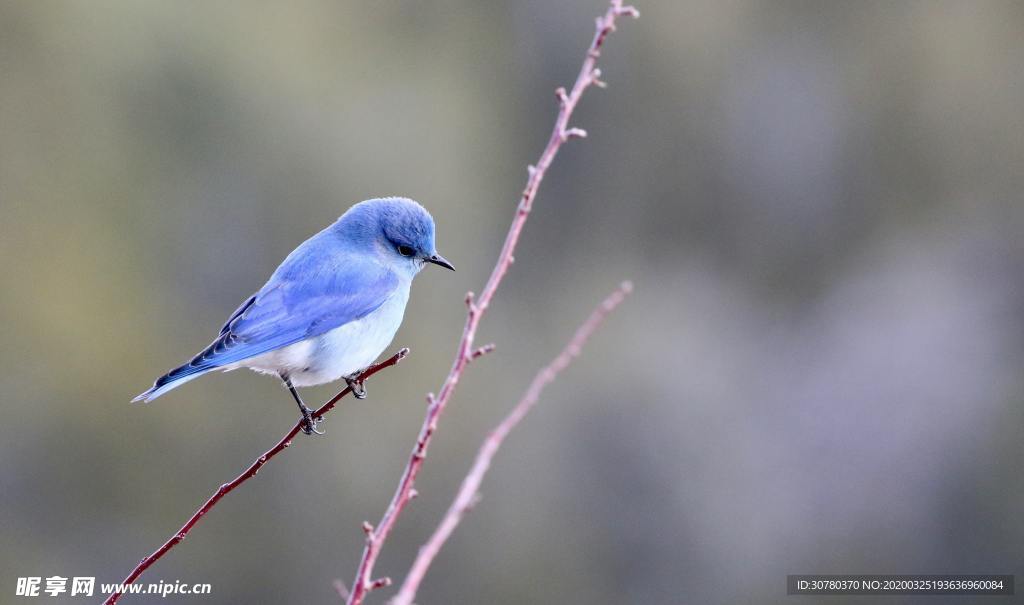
point(413, 493)
point(562, 96)
point(379, 583)
point(574, 133)
point(367, 528)
point(629, 10)
point(484, 350)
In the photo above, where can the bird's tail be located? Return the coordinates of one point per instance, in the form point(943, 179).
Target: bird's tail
point(175, 378)
point(207, 360)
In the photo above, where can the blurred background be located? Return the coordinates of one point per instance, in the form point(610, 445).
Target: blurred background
point(820, 370)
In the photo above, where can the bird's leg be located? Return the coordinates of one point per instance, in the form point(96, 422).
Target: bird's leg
point(356, 384)
point(308, 425)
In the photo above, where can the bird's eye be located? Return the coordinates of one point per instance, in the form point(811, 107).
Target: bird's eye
point(405, 250)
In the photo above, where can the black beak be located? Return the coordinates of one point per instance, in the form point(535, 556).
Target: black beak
point(440, 261)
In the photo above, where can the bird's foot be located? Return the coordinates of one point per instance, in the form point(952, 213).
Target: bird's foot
point(308, 423)
point(357, 386)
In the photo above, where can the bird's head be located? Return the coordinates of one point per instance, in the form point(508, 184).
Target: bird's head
point(399, 229)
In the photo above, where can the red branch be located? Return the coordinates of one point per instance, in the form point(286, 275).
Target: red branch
point(588, 75)
point(247, 474)
point(469, 493)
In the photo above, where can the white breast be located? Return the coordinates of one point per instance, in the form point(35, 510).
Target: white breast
point(341, 352)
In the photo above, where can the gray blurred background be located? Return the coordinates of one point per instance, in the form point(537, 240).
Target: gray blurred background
point(820, 370)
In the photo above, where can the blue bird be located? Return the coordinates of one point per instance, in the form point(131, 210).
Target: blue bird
point(330, 309)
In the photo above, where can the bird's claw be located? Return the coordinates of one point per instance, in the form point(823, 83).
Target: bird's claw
point(357, 386)
point(309, 424)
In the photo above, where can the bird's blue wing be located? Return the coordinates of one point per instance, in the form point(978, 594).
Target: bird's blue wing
point(310, 294)
point(302, 300)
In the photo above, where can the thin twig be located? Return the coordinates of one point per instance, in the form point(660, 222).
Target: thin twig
point(469, 492)
point(247, 474)
point(476, 307)
point(341, 589)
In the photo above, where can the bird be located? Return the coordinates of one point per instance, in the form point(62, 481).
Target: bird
point(331, 307)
